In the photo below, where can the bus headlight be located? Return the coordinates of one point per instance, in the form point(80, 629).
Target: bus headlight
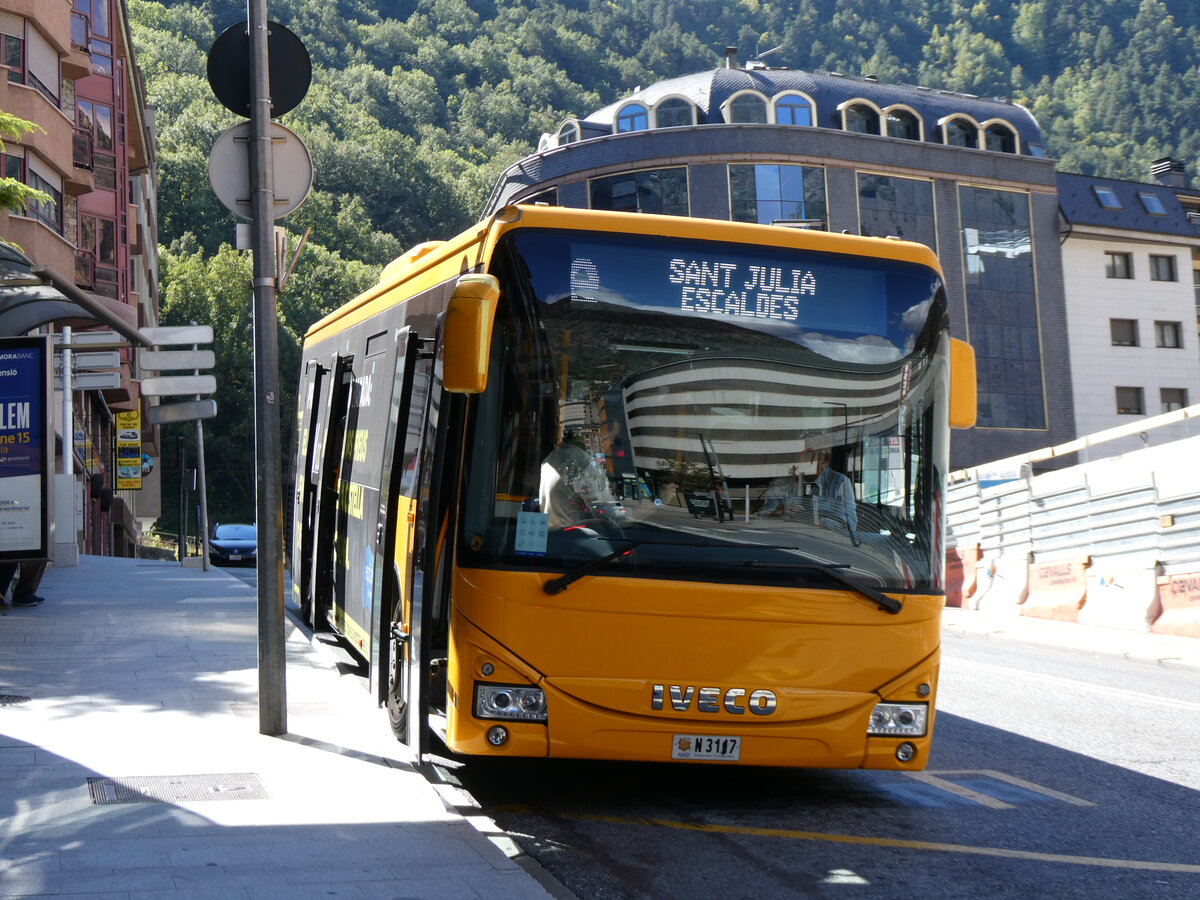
point(509, 701)
point(898, 719)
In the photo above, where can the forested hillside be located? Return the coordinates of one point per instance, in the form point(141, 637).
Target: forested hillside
point(416, 106)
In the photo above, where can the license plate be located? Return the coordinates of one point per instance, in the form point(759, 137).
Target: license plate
point(235, 556)
point(700, 746)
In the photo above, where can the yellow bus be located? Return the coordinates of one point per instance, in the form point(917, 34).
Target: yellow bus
point(615, 486)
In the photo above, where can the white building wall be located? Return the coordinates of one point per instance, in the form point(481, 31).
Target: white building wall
point(1098, 367)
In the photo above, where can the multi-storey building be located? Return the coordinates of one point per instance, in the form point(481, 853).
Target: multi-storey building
point(1128, 250)
point(69, 69)
point(965, 175)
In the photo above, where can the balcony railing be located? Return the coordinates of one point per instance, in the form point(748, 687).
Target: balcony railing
point(82, 145)
point(81, 30)
point(85, 269)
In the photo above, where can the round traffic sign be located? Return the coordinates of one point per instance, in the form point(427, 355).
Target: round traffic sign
point(289, 69)
point(229, 169)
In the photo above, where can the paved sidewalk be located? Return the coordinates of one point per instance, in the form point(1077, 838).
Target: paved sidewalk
point(1008, 624)
point(134, 669)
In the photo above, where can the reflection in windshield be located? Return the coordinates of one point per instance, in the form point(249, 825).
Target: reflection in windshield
point(633, 431)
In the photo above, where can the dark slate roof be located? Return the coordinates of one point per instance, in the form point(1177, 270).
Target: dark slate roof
point(1080, 206)
point(708, 90)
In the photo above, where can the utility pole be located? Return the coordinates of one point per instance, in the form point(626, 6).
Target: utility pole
point(272, 691)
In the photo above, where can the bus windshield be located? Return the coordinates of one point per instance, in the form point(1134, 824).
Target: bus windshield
point(674, 408)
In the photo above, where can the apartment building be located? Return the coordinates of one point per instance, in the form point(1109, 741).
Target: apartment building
point(68, 68)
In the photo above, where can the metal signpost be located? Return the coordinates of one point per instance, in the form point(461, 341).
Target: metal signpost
point(286, 84)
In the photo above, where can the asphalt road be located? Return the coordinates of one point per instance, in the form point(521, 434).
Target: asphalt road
point(1054, 774)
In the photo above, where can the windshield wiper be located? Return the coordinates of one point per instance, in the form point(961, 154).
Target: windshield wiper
point(562, 582)
point(886, 603)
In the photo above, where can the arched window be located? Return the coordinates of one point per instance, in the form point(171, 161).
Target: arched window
point(568, 132)
point(674, 112)
point(747, 107)
point(960, 132)
point(632, 117)
point(902, 123)
point(998, 136)
point(861, 118)
point(793, 109)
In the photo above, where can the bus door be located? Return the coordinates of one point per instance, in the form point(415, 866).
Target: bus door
point(328, 453)
point(395, 517)
point(409, 649)
point(306, 485)
point(438, 489)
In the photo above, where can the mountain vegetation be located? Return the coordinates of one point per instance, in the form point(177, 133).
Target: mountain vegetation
point(417, 105)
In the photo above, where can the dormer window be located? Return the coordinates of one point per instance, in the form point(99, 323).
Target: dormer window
point(860, 118)
point(1153, 204)
point(1107, 196)
point(793, 109)
point(960, 131)
point(632, 117)
point(674, 112)
point(747, 108)
point(1000, 138)
point(903, 123)
point(568, 132)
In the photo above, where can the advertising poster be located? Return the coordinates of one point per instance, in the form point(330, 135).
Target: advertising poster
point(129, 450)
point(25, 448)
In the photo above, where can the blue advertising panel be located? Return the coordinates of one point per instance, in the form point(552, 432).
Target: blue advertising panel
point(25, 448)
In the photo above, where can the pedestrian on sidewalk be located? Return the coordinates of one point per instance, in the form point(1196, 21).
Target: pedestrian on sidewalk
point(25, 593)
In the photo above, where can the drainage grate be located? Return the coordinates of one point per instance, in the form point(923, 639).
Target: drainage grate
point(12, 699)
point(176, 788)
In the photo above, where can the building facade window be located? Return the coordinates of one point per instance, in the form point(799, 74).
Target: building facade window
point(1118, 265)
point(1129, 401)
point(747, 108)
point(96, 119)
point(1106, 197)
point(632, 117)
point(793, 109)
point(1172, 398)
point(1124, 332)
point(1153, 204)
point(861, 118)
point(1000, 138)
point(568, 133)
point(960, 132)
point(661, 191)
point(901, 123)
point(1002, 307)
point(1162, 268)
point(99, 32)
point(902, 207)
point(98, 241)
point(674, 112)
point(1169, 335)
point(12, 54)
point(771, 193)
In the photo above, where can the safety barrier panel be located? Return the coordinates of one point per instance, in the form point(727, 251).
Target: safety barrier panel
point(1113, 542)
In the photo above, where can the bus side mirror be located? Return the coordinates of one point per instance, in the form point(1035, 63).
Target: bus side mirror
point(467, 334)
point(963, 401)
